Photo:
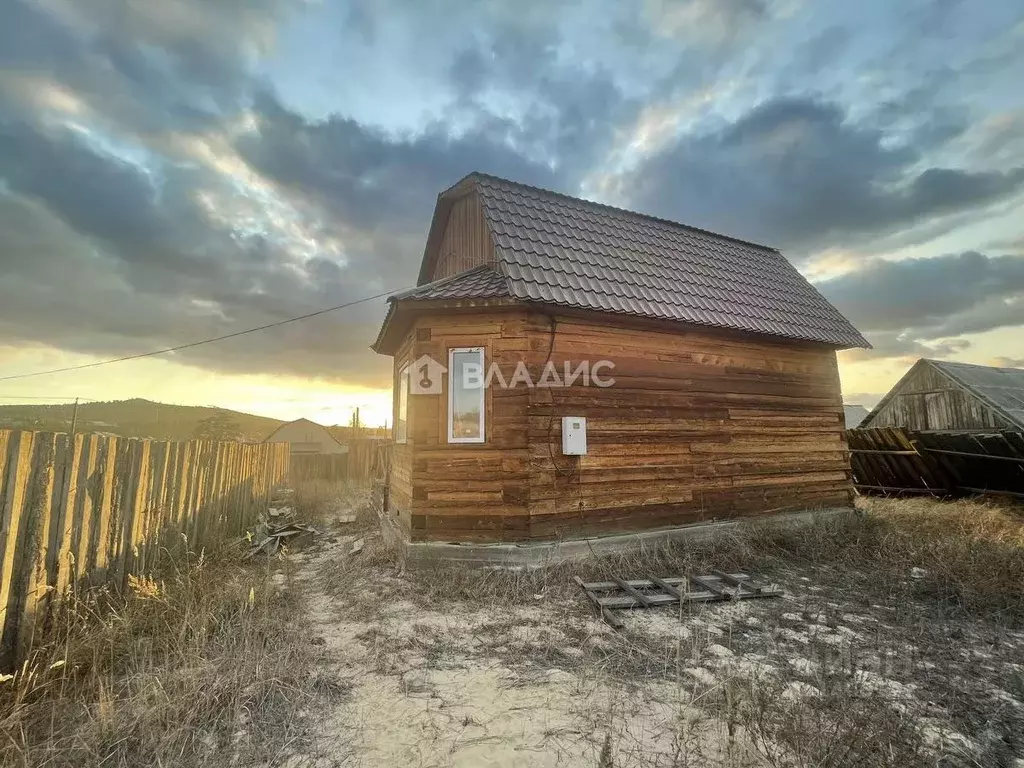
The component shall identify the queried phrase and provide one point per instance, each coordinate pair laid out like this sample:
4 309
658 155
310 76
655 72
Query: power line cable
68 399
203 341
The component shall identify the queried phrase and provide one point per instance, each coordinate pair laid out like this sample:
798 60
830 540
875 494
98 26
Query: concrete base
538 554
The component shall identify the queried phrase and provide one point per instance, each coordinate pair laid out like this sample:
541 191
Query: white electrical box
574 435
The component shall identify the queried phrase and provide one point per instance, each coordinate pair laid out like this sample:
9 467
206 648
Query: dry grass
314 500
207 662
928 593
841 726
971 554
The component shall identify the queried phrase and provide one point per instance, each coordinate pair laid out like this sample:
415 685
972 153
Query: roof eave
403 312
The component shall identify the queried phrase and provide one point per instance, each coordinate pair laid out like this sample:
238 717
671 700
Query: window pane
401 420
466 381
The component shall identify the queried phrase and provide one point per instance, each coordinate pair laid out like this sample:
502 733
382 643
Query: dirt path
441 682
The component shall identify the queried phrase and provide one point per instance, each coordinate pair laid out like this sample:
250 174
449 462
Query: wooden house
724 396
306 437
938 395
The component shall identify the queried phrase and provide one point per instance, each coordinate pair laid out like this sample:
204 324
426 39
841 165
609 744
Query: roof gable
1000 389
301 420
559 250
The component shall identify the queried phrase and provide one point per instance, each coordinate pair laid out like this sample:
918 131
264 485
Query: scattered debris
918 573
270 537
357 547
653 592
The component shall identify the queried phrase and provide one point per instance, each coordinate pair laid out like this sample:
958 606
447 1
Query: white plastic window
466 395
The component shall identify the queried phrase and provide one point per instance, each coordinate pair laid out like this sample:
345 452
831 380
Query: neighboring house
853 415
306 436
939 395
725 400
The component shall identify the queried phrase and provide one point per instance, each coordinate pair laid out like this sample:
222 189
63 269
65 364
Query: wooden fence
364 457
357 467
896 460
332 467
93 509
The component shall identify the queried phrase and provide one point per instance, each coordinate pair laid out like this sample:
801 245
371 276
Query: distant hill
130 418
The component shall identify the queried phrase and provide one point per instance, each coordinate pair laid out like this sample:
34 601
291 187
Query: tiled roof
483 282
560 250
555 249
1001 388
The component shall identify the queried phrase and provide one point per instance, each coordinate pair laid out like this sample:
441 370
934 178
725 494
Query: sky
179 170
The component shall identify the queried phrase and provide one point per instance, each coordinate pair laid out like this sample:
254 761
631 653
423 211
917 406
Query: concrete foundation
538 554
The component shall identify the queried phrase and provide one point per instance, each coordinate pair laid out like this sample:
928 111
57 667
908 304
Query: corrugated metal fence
95 508
897 460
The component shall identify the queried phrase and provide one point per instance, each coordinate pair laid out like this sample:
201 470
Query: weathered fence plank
897 460
92 509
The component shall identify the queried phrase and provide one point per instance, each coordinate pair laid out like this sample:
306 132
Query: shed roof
555 249
1002 389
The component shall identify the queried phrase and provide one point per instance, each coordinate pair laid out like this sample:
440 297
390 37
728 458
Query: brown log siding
698 426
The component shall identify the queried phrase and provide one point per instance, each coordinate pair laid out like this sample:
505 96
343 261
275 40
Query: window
466 395
402 415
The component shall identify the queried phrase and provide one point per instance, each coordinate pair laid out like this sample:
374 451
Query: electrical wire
201 342
68 399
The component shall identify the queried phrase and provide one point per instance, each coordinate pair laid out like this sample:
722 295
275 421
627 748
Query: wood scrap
611 597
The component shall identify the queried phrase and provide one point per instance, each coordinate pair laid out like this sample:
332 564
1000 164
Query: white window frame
451 397
403 378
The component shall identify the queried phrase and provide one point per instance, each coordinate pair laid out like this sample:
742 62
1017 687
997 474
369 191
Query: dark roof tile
560 250
483 282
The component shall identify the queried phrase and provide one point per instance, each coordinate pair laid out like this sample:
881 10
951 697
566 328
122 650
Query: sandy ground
470 684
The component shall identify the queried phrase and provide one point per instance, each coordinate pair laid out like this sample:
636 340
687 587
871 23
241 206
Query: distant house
939 395
306 436
713 390
853 415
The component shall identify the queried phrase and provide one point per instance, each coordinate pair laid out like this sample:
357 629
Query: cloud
923 306
705 22
180 186
1007 362
161 229
897 344
798 173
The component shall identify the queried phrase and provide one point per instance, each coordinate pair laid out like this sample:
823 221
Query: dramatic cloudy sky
180 169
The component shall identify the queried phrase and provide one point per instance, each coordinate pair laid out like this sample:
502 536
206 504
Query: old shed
941 395
565 368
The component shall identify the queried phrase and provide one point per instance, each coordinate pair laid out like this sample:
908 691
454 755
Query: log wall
96 508
471 491
698 426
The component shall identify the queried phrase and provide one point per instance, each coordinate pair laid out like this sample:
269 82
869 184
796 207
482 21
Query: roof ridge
936 361
612 208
